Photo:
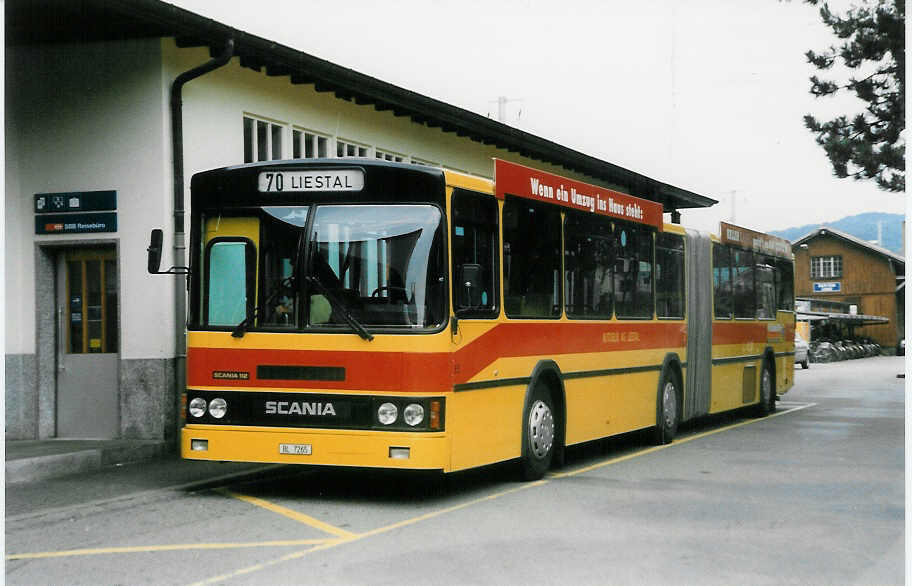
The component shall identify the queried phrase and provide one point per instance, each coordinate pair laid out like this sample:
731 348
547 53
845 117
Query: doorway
88 343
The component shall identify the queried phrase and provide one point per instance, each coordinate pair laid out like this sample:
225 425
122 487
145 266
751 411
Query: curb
49 466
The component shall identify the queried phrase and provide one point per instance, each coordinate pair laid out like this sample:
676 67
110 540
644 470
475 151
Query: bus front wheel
667 409
538 433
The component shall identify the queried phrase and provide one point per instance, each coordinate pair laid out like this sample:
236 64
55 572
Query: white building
91 337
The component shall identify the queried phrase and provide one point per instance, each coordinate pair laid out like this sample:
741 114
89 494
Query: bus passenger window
532 259
743 288
588 267
633 272
669 275
475 246
722 293
785 283
766 288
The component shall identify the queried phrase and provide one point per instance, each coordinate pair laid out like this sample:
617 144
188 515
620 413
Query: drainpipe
177 151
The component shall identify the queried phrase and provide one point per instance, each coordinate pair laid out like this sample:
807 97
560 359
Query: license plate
296 449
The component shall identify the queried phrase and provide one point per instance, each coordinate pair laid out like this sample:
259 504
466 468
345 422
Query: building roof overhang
56 21
845 318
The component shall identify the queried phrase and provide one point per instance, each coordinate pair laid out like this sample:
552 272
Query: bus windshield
379 266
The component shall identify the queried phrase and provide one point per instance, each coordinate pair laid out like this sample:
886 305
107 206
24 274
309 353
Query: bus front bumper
320 447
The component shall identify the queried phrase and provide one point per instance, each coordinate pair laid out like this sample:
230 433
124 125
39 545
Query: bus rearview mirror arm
155 253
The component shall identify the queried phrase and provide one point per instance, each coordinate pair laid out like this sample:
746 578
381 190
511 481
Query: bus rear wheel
767 392
538 434
666 409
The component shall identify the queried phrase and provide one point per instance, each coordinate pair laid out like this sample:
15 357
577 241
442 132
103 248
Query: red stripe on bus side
390 371
517 339
431 372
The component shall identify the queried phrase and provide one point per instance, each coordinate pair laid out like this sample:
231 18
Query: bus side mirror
155 251
468 286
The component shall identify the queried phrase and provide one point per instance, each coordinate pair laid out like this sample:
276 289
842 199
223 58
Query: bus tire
538 434
767 391
667 409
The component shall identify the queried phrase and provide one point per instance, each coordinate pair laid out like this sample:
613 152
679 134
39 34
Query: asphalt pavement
813 495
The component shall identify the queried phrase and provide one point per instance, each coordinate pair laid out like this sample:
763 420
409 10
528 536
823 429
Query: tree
870 144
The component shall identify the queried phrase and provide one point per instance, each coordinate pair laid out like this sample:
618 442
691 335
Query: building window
388 156
309 145
826 267
350 149
262 140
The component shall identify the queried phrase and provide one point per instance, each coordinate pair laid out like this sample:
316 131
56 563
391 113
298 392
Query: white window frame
391 156
826 267
350 148
303 139
257 151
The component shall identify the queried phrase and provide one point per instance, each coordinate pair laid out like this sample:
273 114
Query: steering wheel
390 288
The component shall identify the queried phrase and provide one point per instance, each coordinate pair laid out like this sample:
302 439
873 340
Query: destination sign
522 181
756 241
313 180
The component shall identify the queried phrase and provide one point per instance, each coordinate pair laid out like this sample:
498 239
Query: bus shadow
380 486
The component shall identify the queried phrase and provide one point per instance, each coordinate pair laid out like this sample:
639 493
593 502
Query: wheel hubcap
669 404
541 429
766 386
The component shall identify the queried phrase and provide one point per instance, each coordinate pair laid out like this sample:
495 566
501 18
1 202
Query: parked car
801 351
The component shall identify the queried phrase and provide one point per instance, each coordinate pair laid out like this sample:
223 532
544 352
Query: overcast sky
707 95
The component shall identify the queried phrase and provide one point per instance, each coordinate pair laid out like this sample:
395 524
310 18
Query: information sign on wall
831 287
75 223
64 213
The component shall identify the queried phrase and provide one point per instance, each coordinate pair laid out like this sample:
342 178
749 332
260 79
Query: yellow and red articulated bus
354 312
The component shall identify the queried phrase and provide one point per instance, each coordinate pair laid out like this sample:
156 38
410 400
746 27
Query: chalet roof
828 231
55 21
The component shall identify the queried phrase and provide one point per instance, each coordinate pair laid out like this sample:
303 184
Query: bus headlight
413 414
218 407
387 414
197 407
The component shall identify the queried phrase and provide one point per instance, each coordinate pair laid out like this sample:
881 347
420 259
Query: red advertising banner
522 181
753 240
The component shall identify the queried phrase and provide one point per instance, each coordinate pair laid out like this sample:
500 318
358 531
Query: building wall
214 107
85 117
81 118
868 280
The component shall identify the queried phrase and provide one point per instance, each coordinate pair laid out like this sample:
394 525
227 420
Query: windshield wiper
340 308
241 328
286 283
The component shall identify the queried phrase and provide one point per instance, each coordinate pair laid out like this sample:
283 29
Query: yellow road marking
153 548
387 528
291 514
358 536
343 536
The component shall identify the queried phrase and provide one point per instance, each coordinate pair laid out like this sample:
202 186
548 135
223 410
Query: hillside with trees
863 226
